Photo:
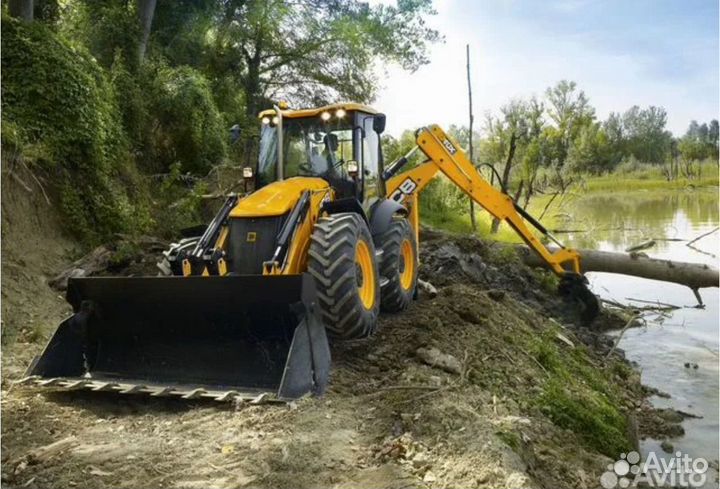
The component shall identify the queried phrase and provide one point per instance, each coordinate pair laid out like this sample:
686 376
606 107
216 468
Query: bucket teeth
30 380
76 385
227 396
162 392
134 389
104 386
49 382
129 387
194 394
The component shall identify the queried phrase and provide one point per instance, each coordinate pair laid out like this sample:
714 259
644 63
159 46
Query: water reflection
624 219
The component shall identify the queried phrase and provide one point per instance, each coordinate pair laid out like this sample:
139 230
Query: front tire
399 265
342 262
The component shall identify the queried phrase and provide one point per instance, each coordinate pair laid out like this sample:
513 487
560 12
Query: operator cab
339 143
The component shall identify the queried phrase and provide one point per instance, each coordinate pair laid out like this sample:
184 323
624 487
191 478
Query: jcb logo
449 146
406 188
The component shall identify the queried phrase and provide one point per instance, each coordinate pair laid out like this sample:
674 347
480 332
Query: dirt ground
389 420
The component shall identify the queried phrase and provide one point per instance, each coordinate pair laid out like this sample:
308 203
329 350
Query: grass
579 396
636 176
614 184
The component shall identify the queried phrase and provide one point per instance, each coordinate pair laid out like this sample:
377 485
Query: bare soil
389 420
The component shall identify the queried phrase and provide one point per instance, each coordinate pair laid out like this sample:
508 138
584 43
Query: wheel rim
365 274
407 264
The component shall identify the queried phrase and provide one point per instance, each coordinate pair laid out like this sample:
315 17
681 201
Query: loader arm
444 155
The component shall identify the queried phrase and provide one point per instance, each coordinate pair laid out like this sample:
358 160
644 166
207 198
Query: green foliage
591 151
700 141
184 200
63 114
587 413
104 27
645 136
580 397
188 127
310 52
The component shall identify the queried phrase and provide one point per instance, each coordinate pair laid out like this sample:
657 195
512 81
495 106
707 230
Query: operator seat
344 187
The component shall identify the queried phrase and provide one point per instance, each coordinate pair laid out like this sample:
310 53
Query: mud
391 418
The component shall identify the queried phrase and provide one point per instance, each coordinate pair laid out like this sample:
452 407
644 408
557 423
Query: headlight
276 119
325 116
247 172
340 113
266 120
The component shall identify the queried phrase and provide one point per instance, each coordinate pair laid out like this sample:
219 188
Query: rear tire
342 262
399 264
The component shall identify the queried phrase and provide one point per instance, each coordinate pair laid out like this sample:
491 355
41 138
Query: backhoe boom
444 155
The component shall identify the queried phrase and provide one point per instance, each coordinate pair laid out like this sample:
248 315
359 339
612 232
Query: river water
616 221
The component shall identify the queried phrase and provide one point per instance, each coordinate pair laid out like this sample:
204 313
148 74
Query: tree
646 137
570 110
146 10
22 9
315 51
699 142
591 152
615 132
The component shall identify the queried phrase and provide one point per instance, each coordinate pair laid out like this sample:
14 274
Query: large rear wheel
399 265
342 262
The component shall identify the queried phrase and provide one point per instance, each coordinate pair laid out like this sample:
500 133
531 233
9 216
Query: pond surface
616 221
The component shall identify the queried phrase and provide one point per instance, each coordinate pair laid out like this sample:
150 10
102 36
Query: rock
496 295
436 358
428 288
670 415
667 447
429 477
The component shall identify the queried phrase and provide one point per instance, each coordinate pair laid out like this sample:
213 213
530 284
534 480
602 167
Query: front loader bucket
220 337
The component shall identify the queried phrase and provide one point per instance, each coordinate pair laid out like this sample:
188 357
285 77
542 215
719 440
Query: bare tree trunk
505 177
470 132
21 9
693 275
146 11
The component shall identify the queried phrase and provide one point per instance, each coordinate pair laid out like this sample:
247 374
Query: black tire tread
393 297
331 262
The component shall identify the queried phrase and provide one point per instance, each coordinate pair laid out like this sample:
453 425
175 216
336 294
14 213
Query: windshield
311 147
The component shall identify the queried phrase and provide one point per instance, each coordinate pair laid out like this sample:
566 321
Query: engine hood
276 198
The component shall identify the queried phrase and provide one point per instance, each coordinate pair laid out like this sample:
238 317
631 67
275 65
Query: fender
382 214
349 204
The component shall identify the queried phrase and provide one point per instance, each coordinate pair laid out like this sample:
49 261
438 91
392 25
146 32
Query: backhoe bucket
232 337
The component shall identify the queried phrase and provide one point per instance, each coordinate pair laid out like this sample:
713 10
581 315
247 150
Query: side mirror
379 123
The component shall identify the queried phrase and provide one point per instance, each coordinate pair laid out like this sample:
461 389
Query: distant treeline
561 131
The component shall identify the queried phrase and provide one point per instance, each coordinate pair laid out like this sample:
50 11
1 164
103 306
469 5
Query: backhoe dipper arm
444 155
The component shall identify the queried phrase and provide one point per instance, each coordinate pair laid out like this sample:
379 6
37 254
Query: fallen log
693 275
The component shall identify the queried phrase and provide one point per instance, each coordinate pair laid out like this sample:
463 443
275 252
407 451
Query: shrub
189 128
64 117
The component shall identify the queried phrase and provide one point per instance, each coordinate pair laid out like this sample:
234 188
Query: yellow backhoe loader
326 241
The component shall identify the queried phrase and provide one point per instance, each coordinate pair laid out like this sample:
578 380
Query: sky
621 53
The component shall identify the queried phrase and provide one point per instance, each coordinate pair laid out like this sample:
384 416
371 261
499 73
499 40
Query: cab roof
296 113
